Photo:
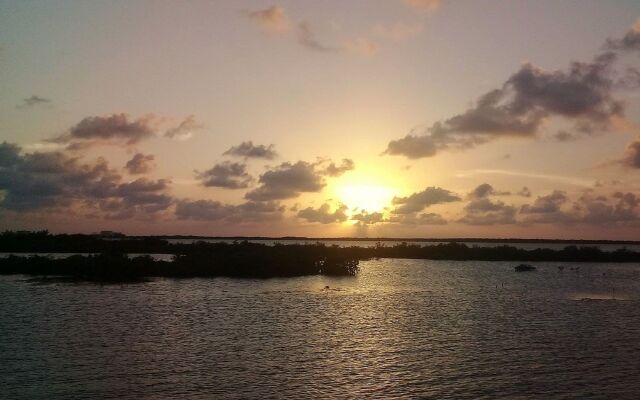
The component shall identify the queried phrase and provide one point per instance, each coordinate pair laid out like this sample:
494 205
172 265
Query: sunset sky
395 118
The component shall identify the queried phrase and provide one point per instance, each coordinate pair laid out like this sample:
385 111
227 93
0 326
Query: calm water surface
401 329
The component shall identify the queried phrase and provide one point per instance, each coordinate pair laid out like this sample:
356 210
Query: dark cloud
583 94
288 180
631 157
56 181
48 180
117 128
34 101
484 211
249 150
368 218
336 170
140 164
481 191
185 129
9 154
257 211
121 129
229 175
144 195
618 209
564 136
413 147
630 79
205 210
323 214
546 204
629 42
420 200
209 210
486 190
524 192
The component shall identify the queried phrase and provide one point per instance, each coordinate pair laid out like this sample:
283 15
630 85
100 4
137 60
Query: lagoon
398 329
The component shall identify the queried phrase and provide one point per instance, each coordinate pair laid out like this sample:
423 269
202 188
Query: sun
365 197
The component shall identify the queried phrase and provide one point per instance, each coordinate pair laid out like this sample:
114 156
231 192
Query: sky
376 118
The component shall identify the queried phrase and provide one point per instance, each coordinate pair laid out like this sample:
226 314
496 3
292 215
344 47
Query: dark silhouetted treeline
460 251
203 260
245 259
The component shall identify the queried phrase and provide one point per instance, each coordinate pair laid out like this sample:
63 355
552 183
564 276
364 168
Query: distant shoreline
249 259
382 239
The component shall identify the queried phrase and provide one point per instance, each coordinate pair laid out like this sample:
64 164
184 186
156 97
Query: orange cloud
272 19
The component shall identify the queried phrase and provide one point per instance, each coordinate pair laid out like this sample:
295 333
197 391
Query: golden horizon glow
365 197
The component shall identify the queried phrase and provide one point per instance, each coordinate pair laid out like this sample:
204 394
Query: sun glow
365 197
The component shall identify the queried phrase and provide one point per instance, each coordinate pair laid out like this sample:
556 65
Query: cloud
333 170
257 211
368 218
9 154
271 20
206 210
229 175
631 157
485 190
412 147
185 129
140 164
630 79
524 192
34 101
418 219
121 129
361 45
249 150
629 42
582 94
546 204
323 214
115 128
484 211
288 180
56 181
274 20
308 40
420 200
617 209
48 180
564 136
143 195
209 210
423 5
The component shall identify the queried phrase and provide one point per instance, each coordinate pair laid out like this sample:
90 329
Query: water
400 329
389 243
58 256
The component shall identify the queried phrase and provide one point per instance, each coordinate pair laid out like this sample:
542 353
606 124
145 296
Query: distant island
106 258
